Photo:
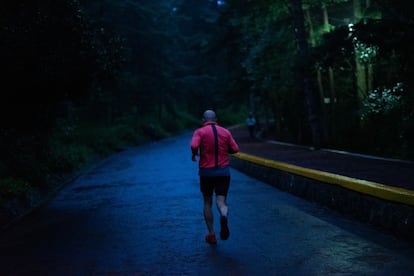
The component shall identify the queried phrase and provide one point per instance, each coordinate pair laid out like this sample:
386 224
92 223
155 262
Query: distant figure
213 144
251 125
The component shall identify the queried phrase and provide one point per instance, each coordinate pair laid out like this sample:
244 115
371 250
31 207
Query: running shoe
224 232
211 238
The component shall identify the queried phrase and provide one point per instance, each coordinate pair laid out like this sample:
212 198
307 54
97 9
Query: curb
374 189
389 208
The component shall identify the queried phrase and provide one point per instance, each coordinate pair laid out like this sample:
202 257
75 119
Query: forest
84 79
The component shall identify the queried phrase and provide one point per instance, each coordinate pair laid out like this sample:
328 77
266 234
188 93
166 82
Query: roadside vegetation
35 170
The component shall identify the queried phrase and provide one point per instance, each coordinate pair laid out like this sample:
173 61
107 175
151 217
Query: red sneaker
211 238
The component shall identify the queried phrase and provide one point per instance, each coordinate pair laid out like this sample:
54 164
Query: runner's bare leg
208 213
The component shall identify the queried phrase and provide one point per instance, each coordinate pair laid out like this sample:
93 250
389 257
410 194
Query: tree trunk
370 77
357 10
305 74
310 26
360 72
326 25
332 104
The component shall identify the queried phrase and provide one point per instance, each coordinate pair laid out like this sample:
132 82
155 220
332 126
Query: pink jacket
203 142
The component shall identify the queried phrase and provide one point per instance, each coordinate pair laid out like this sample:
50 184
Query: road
139 212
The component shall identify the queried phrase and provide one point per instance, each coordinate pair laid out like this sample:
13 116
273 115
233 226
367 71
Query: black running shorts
218 184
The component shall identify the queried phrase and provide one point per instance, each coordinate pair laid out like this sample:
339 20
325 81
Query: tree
53 53
305 74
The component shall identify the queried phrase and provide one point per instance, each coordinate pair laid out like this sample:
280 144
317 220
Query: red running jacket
203 143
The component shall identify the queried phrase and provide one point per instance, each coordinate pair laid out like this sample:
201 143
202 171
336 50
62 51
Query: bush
13 188
108 139
231 116
68 157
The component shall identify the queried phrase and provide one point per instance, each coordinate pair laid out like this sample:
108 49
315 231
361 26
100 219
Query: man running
213 144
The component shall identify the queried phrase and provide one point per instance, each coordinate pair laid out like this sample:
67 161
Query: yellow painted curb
366 187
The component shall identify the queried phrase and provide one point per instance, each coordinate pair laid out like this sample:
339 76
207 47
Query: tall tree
52 53
305 73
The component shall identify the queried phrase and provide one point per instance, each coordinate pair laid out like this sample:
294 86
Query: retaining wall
389 208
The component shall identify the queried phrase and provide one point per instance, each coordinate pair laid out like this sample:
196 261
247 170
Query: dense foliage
85 78
335 73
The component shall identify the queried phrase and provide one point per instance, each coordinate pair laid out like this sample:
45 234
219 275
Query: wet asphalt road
140 213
